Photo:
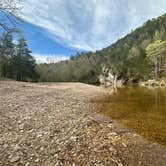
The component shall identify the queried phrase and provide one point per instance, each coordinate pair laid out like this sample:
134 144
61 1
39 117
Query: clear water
142 109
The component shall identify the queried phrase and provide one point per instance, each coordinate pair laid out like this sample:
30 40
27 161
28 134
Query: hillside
127 57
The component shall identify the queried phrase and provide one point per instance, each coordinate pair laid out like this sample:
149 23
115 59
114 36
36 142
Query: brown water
142 109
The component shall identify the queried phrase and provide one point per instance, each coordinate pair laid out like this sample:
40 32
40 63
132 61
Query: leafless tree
9 5
9 9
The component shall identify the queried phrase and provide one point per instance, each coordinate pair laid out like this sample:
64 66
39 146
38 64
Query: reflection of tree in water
157 99
142 109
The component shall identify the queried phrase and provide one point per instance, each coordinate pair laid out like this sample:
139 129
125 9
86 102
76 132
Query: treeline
139 56
78 69
16 61
128 58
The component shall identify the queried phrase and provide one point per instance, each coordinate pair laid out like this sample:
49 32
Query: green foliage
15 59
127 58
156 53
82 69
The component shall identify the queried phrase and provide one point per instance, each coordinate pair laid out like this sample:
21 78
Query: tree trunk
115 84
115 81
156 68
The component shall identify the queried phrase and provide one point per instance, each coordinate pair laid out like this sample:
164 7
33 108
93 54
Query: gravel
56 124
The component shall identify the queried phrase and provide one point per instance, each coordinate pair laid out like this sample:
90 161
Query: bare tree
9 5
9 9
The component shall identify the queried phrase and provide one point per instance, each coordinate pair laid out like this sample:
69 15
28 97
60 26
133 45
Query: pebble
37 160
73 143
27 164
110 126
14 159
124 145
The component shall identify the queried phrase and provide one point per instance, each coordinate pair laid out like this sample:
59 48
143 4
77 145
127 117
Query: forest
102 107
139 56
16 61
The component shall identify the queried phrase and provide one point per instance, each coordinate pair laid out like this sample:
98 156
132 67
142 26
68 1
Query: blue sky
59 28
44 46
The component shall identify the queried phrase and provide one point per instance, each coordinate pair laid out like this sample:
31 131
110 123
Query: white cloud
90 24
49 58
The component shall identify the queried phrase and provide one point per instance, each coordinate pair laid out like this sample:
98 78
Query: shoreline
57 124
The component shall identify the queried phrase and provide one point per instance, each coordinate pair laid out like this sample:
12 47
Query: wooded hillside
127 58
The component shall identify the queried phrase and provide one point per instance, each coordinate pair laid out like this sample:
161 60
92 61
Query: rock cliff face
109 79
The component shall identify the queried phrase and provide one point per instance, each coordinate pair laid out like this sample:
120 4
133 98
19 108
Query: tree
6 51
126 58
8 9
22 61
156 53
9 5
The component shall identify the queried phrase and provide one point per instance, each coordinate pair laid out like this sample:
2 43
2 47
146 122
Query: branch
9 9
3 26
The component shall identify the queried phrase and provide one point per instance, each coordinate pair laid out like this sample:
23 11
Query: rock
163 83
27 164
14 159
124 145
102 79
42 148
37 160
153 83
142 84
21 126
110 126
19 122
120 83
111 149
21 131
76 142
16 148
108 79
73 138
5 146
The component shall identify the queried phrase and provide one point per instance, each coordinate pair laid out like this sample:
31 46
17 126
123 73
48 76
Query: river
141 109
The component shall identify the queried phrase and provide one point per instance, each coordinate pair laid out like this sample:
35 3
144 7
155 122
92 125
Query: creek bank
153 83
57 124
108 78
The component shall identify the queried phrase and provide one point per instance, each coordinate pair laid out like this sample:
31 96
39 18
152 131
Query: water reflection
142 109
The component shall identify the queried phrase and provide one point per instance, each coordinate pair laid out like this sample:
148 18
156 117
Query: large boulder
107 78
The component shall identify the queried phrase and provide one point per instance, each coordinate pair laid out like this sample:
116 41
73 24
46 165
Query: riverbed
141 109
57 124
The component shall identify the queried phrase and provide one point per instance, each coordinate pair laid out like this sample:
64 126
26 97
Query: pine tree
23 62
6 51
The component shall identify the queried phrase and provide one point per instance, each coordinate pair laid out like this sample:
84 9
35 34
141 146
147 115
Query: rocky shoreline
153 83
57 124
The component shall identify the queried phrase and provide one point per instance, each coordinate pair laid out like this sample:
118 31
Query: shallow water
142 109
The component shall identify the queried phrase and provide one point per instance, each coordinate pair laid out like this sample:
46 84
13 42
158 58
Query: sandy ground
57 124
